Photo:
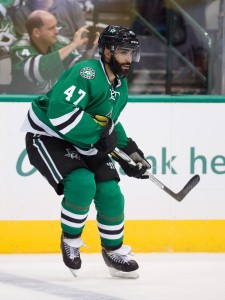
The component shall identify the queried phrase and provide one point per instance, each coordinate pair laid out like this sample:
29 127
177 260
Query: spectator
7 30
68 13
41 55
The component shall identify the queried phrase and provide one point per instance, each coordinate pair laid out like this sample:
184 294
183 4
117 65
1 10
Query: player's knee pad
79 188
109 201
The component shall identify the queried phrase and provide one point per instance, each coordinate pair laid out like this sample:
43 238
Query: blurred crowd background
182 43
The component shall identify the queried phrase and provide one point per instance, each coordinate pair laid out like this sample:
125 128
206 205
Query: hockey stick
177 196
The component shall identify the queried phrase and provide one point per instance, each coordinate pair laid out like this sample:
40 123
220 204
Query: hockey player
70 132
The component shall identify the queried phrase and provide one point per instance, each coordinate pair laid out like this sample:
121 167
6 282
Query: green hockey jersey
67 110
34 72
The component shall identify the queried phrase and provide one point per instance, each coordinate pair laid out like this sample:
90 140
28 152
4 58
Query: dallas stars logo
110 165
72 154
87 73
112 30
113 94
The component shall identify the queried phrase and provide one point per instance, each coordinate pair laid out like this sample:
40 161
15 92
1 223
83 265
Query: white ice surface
162 277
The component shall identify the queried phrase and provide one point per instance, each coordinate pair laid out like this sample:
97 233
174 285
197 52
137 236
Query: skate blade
74 272
127 275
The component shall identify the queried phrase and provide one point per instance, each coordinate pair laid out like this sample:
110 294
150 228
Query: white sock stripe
111 237
72 224
72 215
111 227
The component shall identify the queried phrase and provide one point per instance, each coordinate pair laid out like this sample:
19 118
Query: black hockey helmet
116 36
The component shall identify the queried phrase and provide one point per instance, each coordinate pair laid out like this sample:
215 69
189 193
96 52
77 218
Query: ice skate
71 253
121 263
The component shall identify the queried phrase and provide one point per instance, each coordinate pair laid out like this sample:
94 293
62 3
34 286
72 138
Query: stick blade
188 187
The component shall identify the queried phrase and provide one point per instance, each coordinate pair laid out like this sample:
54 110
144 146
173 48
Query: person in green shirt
41 55
69 15
70 133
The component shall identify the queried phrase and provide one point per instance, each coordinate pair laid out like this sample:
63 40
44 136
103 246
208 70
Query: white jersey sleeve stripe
36 68
72 125
27 69
31 67
41 124
64 118
3 10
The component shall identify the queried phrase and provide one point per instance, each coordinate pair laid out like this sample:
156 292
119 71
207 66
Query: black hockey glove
108 140
132 171
137 156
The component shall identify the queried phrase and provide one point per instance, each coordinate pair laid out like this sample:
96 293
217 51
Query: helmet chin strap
111 63
112 67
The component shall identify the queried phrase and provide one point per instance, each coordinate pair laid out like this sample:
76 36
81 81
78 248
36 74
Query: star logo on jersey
72 154
112 30
87 73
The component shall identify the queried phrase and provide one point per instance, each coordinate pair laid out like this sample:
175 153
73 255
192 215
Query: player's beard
118 68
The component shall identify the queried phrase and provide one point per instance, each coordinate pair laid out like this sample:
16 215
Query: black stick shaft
177 196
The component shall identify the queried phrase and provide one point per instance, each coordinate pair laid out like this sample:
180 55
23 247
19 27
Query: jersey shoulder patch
87 73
